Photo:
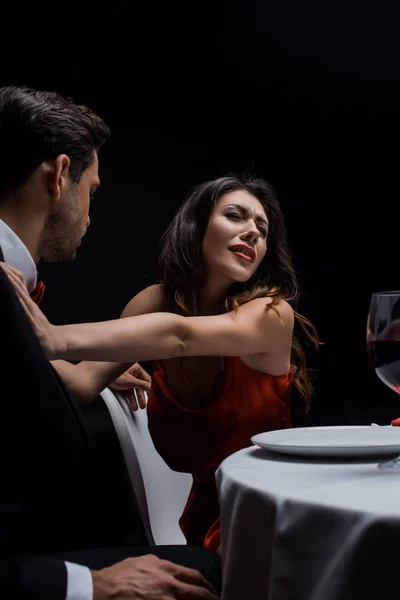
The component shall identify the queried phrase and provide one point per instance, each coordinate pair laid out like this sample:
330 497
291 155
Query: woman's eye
233 215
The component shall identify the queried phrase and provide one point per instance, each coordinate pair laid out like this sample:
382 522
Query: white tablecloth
308 529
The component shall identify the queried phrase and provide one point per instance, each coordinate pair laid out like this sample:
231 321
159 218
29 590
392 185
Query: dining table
309 526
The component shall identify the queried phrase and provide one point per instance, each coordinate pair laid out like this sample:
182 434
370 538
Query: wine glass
383 337
383 343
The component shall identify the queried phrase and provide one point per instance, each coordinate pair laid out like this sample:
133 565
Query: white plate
332 441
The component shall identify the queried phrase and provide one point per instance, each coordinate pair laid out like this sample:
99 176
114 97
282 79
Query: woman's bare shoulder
258 307
149 300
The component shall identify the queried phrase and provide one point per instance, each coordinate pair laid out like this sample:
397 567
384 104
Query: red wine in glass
384 355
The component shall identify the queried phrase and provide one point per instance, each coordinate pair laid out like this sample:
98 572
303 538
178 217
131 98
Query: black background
305 96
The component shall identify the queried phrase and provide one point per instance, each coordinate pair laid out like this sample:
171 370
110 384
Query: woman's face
235 241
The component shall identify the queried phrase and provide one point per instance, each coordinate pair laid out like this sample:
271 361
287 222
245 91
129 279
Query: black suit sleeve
33 578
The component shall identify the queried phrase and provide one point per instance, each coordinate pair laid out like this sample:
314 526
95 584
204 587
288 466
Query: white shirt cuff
79 582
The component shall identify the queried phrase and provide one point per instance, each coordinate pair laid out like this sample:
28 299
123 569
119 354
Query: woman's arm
251 330
88 378
254 328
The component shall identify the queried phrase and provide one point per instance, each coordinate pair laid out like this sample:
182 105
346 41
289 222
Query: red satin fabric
242 403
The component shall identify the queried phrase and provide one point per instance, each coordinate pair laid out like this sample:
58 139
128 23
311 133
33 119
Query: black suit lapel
62 388
43 380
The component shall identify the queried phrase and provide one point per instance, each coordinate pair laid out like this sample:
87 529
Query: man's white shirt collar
17 255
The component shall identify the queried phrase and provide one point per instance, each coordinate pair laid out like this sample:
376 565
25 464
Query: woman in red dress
225 251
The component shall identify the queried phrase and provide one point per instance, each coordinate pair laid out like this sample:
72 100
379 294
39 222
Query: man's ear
58 176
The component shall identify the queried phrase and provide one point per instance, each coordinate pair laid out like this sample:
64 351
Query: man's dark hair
36 126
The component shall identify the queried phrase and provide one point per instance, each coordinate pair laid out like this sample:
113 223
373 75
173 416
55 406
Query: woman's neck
211 299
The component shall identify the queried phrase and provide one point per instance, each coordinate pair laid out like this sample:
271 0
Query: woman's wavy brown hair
182 269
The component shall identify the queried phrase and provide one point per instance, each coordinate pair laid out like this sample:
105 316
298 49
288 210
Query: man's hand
150 578
135 378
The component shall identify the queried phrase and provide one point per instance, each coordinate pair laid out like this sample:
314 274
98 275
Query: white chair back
161 493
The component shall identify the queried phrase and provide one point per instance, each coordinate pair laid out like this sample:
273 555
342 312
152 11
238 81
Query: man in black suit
54 542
